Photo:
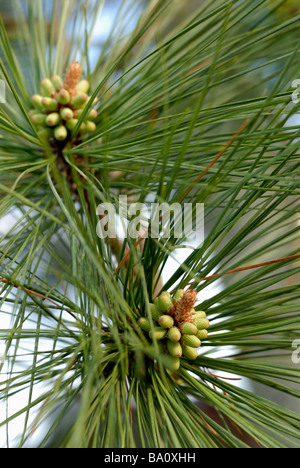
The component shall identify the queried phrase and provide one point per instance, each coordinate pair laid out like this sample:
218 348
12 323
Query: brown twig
228 144
249 267
34 293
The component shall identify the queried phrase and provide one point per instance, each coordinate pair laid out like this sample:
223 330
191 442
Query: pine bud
71 124
189 352
60 133
144 324
202 334
66 113
57 81
53 119
172 363
166 321
93 114
89 127
79 100
189 328
201 323
45 134
179 294
50 104
159 333
83 86
174 334
63 97
199 314
191 340
38 119
174 348
47 87
37 101
32 112
155 312
164 301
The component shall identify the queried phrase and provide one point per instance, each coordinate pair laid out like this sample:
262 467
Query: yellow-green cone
201 323
189 328
38 119
79 100
174 348
189 352
66 113
60 133
172 363
159 333
155 311
57 81
45 134
63 97
199 314
166 321
53 119
202 334
71 124
144 324
50 104
37 101
83 86
178 295
89 127
191 340
174 334
164 301
47 87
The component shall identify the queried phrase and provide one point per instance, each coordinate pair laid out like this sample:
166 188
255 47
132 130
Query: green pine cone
166 321
189 352
199 314
83 86
66 113
45 134
172 363
60 133
89 127
155 311
189 328
144 323
38 119
37 101
63 97
71 124
164 301
53 119
47 87
202 334
79 100
159 333
178 295
57 81
191 340
201 323
174 334
50 104
174 348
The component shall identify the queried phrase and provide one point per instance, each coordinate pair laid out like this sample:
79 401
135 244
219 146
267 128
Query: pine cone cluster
60 105
179 328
